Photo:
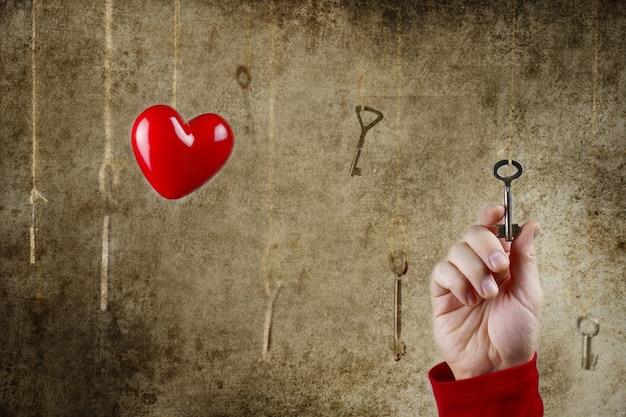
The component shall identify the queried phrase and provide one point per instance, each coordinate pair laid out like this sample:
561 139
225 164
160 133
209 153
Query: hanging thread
104 269
105 183
34 192
270 270
397 257
398 222
175 63
267 328
361 75
35 195
589 326
248 49
591 211
271 147
583 301
509 147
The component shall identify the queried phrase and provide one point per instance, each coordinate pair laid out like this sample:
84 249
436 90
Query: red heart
178 157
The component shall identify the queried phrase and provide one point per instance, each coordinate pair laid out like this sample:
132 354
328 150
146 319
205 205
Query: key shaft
399 346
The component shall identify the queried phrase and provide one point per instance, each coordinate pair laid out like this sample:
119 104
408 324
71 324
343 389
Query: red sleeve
512 392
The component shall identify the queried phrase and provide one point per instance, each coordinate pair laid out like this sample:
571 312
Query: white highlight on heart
143 142
220 133
187 139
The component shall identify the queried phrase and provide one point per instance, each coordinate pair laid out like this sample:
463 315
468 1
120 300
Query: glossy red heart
178 157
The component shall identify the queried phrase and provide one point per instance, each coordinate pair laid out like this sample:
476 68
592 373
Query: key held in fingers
508 230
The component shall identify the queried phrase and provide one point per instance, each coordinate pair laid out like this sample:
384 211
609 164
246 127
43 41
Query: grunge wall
268 292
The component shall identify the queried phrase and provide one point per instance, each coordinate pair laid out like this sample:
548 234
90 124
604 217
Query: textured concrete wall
283 236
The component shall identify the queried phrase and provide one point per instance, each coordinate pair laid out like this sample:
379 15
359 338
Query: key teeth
501 230
400 350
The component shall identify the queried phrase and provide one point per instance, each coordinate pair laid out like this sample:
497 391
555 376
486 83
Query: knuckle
440 268
476 272
457 248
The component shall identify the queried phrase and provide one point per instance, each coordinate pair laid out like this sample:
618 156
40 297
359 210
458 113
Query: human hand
486 299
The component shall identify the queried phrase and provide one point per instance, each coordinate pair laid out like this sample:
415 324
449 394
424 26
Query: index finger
491 215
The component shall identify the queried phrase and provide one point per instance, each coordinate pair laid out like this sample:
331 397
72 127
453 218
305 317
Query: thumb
524 266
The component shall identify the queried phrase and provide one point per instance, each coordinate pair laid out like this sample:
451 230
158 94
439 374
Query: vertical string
399 240
591 211
509 147
270 269
175 63
248 47
271 162
104 270
583 298
398 224
107 167
35 195
361 76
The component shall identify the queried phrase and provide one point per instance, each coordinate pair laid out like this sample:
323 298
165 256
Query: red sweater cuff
511 392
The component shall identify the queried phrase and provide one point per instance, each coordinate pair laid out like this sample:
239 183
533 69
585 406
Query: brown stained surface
190 281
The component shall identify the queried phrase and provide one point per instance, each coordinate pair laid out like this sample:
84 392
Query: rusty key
354 170
399 266
508 230
588 328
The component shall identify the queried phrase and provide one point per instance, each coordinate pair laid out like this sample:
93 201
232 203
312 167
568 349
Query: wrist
461 372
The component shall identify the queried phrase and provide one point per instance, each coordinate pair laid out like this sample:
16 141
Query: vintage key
588 328
508 230
354 170
399 266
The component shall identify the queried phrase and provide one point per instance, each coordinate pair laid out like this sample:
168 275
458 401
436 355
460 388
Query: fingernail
490 289
536 233
498 261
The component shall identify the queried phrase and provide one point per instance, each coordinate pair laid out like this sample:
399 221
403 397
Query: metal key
508 230
354 170
588 327
399 266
